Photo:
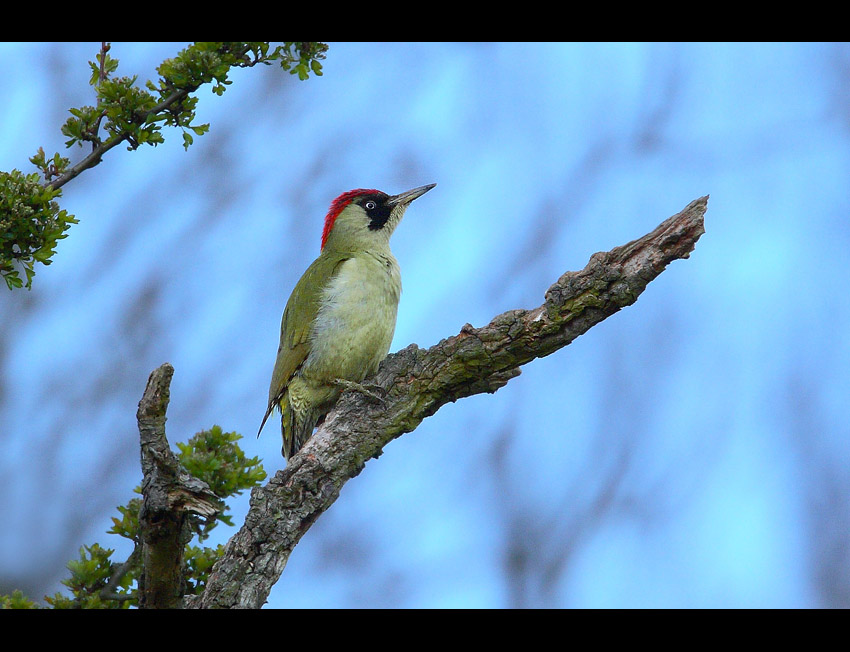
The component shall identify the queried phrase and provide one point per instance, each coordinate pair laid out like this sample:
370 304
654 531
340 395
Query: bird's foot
357 387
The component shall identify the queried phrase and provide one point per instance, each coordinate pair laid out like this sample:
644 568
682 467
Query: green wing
298 317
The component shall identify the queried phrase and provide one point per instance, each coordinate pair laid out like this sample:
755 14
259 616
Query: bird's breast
356 319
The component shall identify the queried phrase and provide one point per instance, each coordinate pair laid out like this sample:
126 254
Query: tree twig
417 383
95 156
108 592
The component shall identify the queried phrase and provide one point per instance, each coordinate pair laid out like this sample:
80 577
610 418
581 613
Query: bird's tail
265 418
295 429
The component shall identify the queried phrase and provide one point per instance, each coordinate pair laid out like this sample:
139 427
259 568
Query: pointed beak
409 196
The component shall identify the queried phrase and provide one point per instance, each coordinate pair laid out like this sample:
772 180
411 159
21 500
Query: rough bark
416 383
169 496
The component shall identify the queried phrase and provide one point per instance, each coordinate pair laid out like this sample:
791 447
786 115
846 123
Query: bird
339 321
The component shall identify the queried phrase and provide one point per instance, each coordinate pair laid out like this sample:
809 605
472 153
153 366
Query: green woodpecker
339 321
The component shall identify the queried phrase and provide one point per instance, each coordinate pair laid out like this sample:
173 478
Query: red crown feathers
336 208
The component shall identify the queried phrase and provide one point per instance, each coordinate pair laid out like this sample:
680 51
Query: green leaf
12 280
95 72
43 255
38 160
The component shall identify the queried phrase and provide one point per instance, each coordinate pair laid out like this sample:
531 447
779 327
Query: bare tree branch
169 494
416 383
109 592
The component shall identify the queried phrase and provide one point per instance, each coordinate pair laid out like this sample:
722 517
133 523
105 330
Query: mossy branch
416 383
170 496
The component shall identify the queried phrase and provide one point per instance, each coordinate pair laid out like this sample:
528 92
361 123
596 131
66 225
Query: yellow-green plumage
340 318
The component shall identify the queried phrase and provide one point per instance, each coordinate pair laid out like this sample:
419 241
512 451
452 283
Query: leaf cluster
137 114
90 575
98 582
214 457
124 111
31 223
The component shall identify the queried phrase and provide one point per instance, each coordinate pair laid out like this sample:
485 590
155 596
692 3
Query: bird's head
361 219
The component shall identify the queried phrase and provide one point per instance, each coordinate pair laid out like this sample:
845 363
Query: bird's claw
357 387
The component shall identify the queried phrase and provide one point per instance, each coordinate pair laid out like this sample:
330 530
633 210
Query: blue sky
690 451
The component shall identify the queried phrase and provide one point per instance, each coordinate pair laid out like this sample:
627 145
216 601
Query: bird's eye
370 205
